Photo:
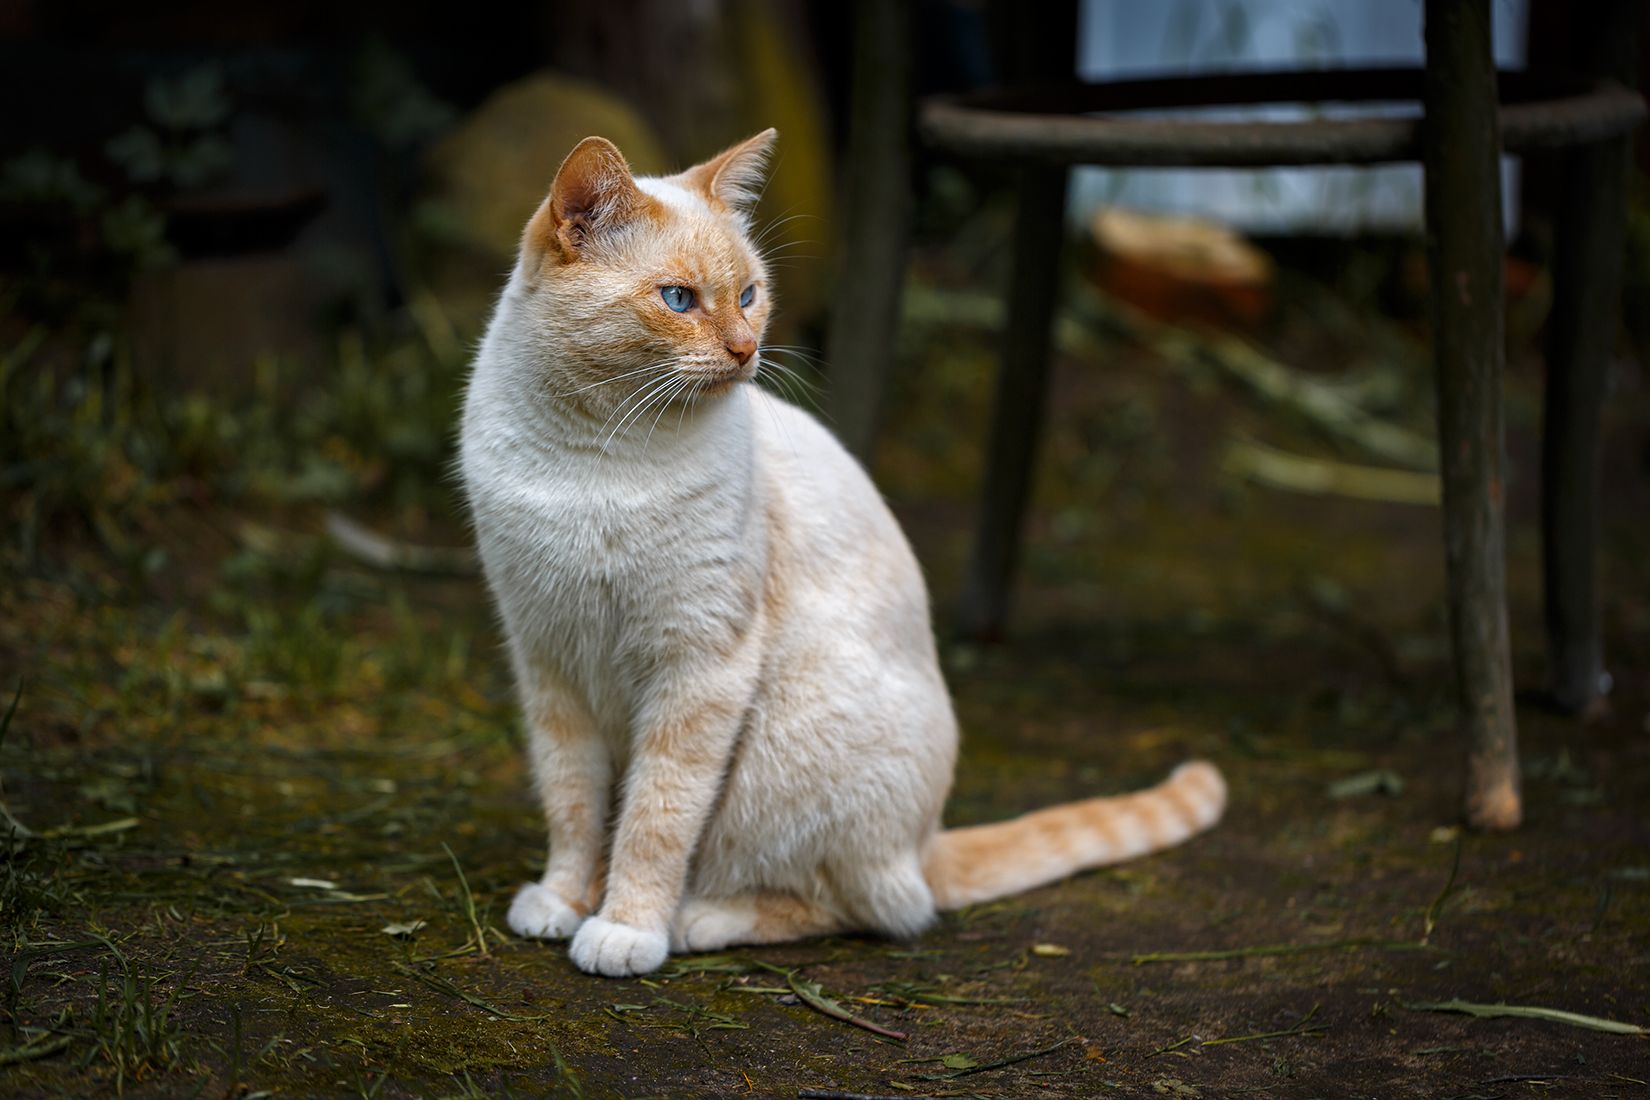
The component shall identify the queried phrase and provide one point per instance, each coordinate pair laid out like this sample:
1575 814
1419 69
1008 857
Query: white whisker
652 387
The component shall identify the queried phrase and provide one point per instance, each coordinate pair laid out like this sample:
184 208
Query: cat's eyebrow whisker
786 253
773 226
783 246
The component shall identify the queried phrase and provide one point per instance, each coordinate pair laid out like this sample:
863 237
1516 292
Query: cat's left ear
732 179
593 195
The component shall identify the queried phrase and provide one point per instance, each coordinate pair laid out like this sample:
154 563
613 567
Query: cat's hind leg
890 897
710 924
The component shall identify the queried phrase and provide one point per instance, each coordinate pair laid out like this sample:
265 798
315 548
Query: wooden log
1588 230
876 203
1461 148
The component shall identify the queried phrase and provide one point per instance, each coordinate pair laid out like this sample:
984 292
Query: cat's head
636 285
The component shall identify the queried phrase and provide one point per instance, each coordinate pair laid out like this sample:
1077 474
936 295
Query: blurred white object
1120 39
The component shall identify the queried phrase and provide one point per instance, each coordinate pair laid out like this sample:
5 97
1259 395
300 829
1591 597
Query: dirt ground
278 810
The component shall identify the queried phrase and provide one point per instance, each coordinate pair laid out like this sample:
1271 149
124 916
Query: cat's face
648 289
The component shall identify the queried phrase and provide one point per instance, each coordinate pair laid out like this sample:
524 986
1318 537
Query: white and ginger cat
735 714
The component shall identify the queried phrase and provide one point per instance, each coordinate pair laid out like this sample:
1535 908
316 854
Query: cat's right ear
593 194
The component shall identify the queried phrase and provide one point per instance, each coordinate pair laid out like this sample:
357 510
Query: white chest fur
607 561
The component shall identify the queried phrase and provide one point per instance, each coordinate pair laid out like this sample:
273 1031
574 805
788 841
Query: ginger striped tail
982 862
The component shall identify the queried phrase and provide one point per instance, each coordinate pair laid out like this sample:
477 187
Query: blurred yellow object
491 173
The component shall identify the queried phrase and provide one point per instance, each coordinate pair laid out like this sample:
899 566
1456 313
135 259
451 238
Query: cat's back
831 534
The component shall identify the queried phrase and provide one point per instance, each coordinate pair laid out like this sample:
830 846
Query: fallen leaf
1050 950
1379 781
402 928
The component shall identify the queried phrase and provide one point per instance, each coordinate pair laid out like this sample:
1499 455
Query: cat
736 720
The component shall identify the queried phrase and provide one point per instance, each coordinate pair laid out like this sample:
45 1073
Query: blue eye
678 298
749 296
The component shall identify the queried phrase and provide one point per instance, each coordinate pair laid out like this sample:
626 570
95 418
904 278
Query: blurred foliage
390 101
181 142
65 228
87 444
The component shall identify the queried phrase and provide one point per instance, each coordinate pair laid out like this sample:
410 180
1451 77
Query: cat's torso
613 568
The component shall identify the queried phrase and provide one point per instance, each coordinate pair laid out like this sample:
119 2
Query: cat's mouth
709 381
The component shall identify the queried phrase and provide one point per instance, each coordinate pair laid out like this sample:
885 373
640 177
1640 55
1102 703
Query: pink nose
741 348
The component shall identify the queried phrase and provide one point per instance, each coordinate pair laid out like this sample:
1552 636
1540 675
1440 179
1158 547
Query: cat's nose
741 347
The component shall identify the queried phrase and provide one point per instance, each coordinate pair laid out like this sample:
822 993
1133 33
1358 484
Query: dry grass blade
1438 902
813 995
43 1046
18 829
467 903
1530 1012
442 985
1270 950
1013 1059
1300 1027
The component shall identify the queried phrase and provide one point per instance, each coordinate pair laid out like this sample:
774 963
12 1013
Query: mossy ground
257 756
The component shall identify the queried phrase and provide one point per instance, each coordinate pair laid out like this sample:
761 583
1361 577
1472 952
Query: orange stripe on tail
966 866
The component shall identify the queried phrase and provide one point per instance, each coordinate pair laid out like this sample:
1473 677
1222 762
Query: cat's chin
717 383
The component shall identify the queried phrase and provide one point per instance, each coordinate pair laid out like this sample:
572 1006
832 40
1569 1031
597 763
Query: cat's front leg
572 772
676 769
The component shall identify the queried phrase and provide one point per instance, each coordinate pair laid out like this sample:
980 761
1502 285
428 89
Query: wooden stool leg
1461 148
876 203
1589 227
1586 289
1021 385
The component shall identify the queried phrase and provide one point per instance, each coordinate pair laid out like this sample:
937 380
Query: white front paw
539 913
617 950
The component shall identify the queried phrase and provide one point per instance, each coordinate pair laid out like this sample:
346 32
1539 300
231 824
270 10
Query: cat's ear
593 194
733 178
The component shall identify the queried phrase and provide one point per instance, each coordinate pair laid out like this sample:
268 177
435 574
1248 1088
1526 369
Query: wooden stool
1470 117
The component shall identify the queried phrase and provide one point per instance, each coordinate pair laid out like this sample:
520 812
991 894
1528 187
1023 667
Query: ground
276 808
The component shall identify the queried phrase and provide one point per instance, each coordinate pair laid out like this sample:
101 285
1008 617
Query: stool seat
1079 122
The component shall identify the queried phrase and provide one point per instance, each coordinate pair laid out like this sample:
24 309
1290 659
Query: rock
490 174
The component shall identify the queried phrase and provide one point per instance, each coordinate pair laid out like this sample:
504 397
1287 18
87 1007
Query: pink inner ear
593 191
592 180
